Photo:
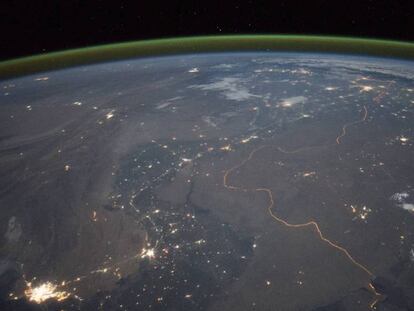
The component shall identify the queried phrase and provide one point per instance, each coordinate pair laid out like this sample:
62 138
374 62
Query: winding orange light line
284 222
312 223
351 123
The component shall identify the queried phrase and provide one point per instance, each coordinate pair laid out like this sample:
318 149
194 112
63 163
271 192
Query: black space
31 27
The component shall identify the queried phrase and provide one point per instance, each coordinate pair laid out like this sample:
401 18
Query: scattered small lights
360 212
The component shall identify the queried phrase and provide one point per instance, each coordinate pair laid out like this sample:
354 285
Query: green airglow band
188 45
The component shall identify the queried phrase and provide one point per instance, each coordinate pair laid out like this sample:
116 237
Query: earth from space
216 181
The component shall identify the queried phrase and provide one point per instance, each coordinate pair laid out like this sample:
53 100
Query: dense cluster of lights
44 291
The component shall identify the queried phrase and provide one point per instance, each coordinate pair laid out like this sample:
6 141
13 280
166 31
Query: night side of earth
216 181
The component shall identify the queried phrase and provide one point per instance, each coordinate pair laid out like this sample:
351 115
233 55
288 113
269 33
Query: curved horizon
205 44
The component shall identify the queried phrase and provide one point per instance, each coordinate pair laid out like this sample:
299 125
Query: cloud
401 198
230 87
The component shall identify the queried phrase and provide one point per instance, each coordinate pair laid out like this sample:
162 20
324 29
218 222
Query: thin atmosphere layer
187 45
